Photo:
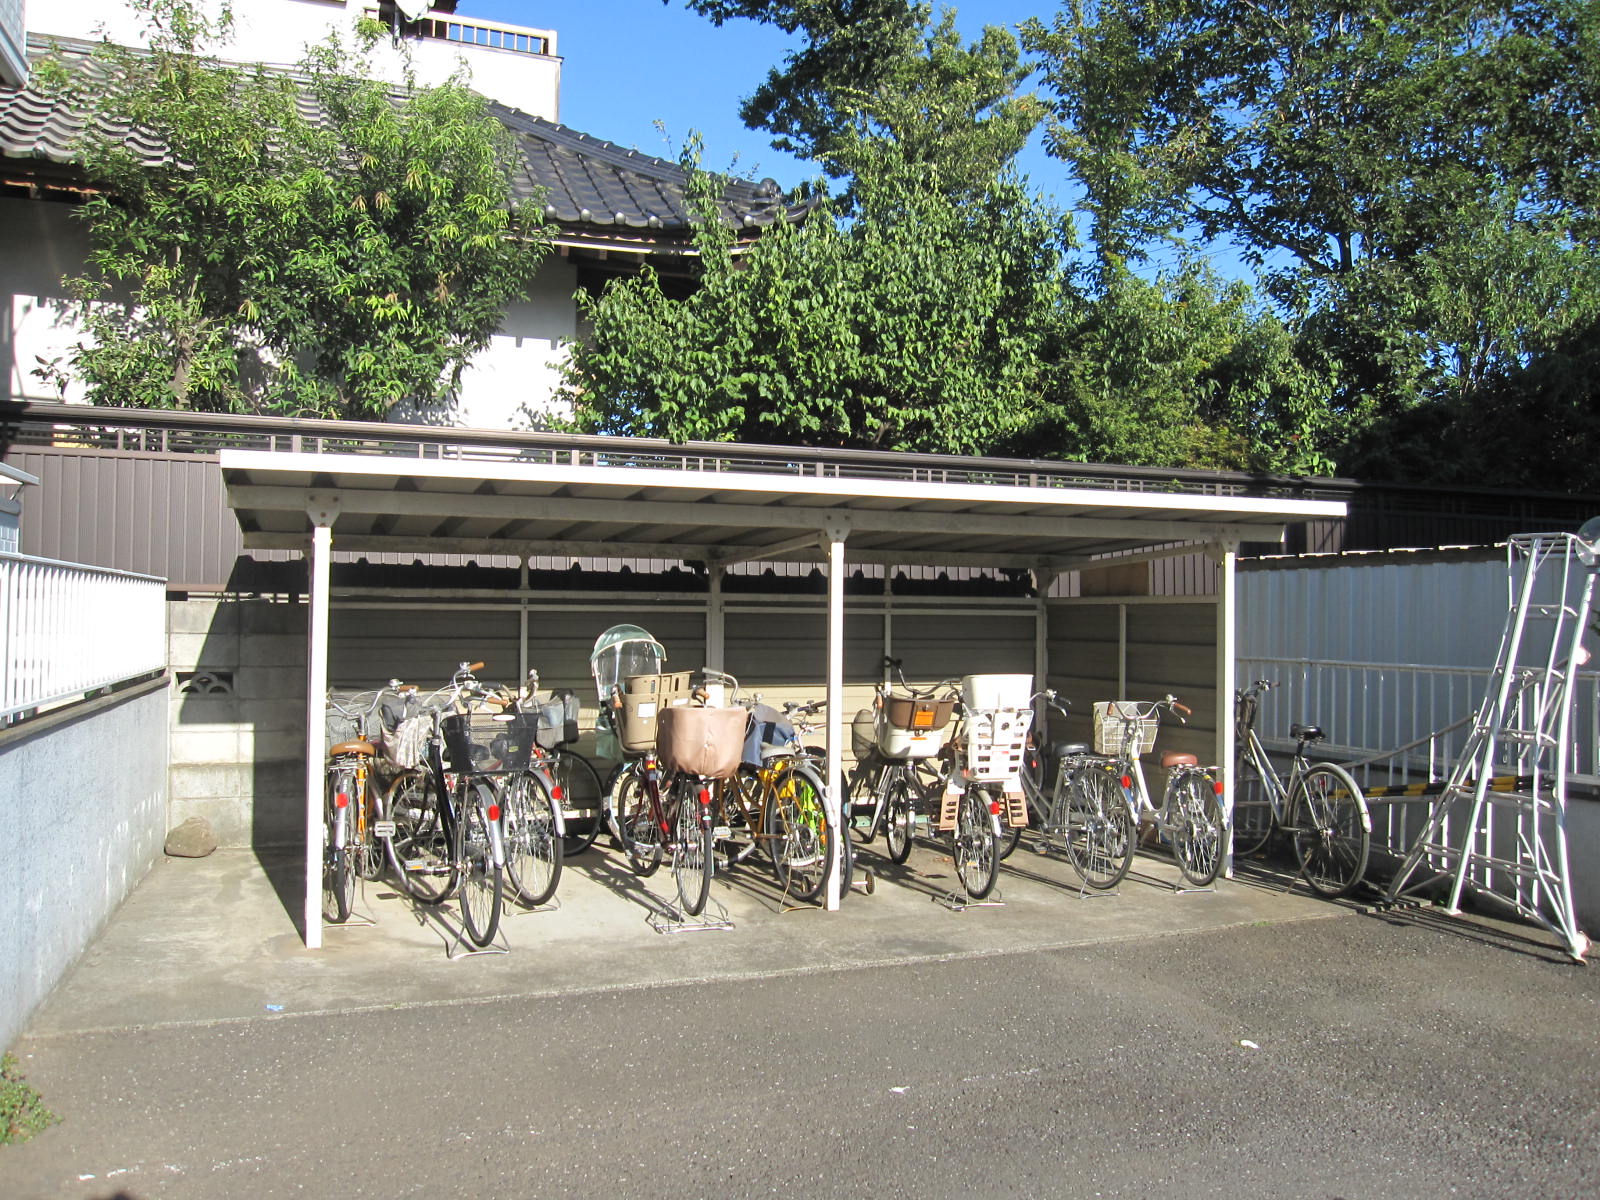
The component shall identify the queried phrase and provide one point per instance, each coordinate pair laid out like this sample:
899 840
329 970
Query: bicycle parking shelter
719 506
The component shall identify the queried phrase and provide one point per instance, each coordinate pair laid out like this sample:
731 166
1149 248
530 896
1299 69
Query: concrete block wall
237 718
83 803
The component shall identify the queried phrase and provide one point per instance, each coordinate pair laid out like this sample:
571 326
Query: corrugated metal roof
586 183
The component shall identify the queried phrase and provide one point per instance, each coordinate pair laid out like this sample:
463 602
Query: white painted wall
278 31
41 245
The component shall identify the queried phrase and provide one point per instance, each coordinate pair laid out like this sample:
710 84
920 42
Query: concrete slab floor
214 939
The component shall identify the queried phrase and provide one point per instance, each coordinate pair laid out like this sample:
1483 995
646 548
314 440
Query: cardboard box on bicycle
702 741
643 699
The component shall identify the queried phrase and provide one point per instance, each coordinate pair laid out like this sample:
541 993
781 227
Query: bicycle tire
581 792
533 851
898 819
1010 836
338 875
798 833
418 851
1332 830
1253 818
1099 829
1197 828
862 791
480 889
692 864
973 843
636 823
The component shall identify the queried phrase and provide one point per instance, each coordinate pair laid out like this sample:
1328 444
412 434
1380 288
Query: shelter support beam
316 699
716 619
1226 557
835 532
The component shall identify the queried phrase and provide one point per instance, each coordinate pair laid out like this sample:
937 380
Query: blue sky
630 63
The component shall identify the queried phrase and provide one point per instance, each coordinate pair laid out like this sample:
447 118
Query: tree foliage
919 324
313 242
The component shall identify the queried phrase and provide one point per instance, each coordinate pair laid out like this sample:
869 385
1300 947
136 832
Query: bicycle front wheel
1252 808
974 844
1098 828
338 857
533 851
636 822
1332 830
1197 827
691 845
580 799
799 834
480 886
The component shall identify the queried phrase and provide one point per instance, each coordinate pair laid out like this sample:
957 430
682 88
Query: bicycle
777 798
350 805
1110 799
702 749
893 742
1319 805
445 822
574 782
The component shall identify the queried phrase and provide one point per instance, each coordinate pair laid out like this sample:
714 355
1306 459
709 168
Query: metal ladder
1518 839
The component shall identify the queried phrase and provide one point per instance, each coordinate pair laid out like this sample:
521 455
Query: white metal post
836 533
316 702
715 617
1227 556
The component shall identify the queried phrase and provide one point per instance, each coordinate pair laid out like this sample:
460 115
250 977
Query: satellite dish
413 10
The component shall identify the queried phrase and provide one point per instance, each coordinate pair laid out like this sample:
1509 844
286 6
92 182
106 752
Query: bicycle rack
675 920
514 909
460 947
959 901
1528 705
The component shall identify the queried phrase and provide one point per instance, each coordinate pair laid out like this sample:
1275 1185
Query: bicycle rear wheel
418 850
1098 827
1252 808
692 863
799 833
338 867
636 822
1332 830
898 820
533 851
580 800
480 887
973 843
1196 827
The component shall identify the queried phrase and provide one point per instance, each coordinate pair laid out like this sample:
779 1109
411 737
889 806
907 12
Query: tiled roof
587 183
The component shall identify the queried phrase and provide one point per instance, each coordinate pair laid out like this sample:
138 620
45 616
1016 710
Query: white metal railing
479 31
69 630
1424 712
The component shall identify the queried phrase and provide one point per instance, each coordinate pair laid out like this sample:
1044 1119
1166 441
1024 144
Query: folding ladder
1514 843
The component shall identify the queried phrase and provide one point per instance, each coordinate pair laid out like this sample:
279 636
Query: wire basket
997 738
1111 719
483 742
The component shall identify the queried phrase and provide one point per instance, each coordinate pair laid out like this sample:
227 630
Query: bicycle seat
1307 733
1173 759
1068 749
356 747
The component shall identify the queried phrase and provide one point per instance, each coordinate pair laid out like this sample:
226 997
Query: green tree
337 261
919 324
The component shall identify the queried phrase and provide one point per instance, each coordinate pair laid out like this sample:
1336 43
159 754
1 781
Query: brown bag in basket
702 741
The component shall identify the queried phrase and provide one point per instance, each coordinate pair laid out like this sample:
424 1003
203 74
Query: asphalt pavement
1251 1041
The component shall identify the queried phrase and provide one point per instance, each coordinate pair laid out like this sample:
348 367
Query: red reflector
994 808
494 812
1127 781
705 796
555 793
1217 787
342 800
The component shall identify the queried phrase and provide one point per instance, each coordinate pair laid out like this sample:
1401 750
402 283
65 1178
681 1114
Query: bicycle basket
863 733
1110 727
769 733
483 742
896 741
558 719
708 742
905 712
